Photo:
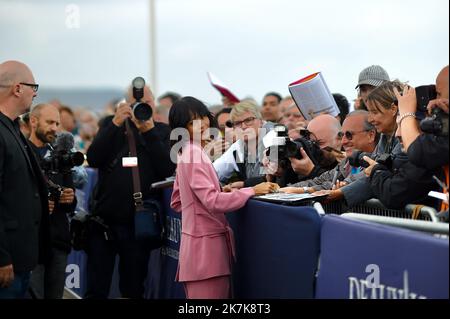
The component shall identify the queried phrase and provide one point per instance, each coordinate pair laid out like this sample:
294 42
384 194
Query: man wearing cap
369 78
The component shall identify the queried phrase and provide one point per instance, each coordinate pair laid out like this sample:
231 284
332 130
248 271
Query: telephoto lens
141 110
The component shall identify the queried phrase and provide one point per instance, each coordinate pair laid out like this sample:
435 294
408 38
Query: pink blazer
207 244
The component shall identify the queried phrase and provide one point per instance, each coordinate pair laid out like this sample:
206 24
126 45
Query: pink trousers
211 288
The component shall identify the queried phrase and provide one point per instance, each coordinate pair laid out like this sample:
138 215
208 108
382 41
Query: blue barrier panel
366 260
76 278
277 250
165 263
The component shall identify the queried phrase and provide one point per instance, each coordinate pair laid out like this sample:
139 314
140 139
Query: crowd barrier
278 249
386 262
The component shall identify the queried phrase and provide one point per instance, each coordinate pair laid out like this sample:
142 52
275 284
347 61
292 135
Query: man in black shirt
114 202
47 280
23 193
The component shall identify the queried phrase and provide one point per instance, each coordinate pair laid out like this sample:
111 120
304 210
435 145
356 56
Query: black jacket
113 199
408 184
24 231
429 151
59 221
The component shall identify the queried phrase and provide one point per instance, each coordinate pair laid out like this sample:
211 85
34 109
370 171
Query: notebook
313 97
290 199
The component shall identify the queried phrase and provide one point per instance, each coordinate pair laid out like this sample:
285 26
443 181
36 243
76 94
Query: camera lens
142 111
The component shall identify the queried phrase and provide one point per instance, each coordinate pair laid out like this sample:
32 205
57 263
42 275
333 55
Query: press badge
129 161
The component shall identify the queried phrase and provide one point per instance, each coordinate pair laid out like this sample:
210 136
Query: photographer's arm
102 149
410 184
303 166
408 125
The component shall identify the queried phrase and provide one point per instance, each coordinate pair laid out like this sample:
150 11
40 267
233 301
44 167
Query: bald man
23 194
326 131
47 280
425 150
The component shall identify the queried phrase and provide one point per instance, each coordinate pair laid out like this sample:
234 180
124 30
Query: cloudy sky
254 46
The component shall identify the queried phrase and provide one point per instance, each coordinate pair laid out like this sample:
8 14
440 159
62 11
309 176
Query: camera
54 191
141 110
437 123
280 147
424 94
356 159
62 159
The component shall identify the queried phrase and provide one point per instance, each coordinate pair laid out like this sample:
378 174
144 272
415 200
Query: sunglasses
349 134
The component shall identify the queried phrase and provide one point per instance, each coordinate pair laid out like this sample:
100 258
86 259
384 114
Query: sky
253 46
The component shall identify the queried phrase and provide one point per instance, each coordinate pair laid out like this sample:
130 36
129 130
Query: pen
335 176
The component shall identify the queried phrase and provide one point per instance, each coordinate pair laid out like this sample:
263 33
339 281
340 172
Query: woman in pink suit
207 244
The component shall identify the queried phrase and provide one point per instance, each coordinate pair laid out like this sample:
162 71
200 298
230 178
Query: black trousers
133 262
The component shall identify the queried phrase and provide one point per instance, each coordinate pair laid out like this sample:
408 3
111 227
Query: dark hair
275 94
170 95
226 110
342 104
186 109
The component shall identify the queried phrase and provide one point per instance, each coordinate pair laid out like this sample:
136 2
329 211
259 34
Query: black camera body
356 159
437 123
61 161
141 110
282 148
54 191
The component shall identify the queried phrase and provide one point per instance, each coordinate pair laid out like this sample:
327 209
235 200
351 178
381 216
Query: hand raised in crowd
123 113
372 164
438 103
407 102
67 196
265 188
6 276
303 166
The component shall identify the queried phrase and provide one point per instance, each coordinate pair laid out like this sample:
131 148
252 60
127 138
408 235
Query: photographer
113 198
47 280
322 154
408 184
428 149
358 134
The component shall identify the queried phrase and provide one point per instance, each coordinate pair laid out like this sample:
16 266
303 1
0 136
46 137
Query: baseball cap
373 75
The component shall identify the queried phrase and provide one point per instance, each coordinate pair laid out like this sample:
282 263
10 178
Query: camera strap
137 195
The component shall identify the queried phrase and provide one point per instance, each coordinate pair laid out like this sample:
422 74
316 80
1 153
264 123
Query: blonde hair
244 107
384 95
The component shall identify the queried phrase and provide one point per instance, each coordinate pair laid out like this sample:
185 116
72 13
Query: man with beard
47 280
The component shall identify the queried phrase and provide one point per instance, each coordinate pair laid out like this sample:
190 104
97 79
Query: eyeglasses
349 134
35 87
248 121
